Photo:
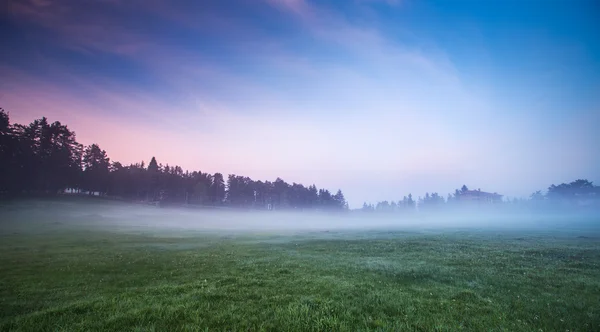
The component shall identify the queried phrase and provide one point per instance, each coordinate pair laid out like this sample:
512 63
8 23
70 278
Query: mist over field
98 213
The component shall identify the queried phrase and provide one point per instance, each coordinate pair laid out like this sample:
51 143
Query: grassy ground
55 277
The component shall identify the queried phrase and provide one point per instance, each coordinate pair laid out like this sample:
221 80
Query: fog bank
123 217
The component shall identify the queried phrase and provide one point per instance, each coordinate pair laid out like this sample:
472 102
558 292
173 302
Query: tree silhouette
96 166
217 189
9 174
154 178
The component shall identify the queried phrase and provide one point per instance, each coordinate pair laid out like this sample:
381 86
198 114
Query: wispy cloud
86 26
388 2
333 115
299 7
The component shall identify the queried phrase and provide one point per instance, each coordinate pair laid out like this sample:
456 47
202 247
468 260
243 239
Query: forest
44 158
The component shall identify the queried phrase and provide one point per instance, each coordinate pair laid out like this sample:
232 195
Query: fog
97 214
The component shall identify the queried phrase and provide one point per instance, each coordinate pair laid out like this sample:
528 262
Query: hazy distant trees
537 196
432 201
406 204
576 194
579 192
339 201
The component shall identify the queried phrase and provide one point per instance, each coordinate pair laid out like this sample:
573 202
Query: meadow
105 266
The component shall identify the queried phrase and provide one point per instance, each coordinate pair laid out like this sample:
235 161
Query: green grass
55 277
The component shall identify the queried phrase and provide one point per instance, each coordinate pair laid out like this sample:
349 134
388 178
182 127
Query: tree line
45 158
576 194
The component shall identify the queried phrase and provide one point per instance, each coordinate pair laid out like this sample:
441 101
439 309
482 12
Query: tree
153 166
325 199
410 201
200 190
537 196
366 207
383 207
340 201
217 188
298 196
280 189
45 157
4 122
577 192
154 175
457 194
64 159
8 165
312 197
96 166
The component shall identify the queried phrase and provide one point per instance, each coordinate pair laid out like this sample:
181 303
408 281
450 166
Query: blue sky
378 98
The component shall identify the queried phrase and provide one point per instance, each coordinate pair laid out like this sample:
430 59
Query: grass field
60 270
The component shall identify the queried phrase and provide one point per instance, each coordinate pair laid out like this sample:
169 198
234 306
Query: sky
379 98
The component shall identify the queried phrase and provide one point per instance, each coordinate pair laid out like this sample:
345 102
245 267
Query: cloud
299 7
323 116
369 44
388 2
